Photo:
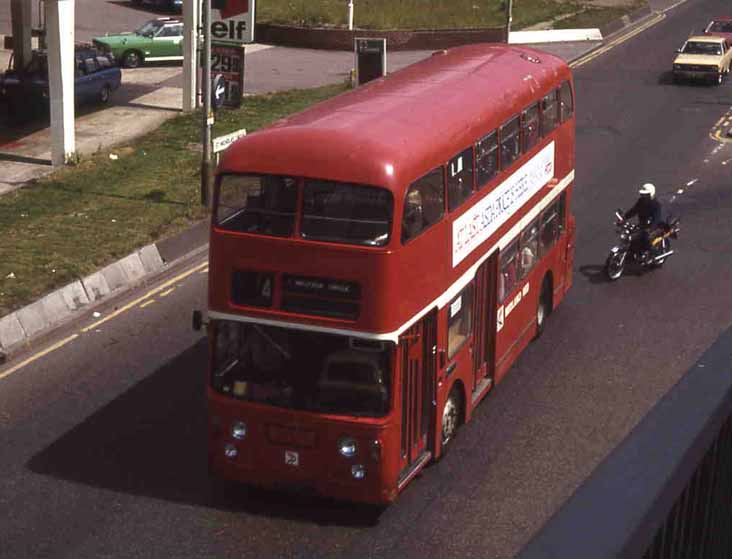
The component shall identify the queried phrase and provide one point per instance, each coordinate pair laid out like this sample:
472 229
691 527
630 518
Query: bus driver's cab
353 379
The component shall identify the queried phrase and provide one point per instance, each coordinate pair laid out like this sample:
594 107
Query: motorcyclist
648 210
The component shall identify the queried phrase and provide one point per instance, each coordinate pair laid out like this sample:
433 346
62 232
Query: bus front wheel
451 417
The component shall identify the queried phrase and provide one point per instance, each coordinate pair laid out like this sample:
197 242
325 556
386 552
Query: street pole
208 117
509 17
350 15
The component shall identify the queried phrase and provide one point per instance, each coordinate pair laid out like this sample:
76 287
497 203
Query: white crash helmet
648 189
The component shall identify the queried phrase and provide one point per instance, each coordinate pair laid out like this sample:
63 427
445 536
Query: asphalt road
102 442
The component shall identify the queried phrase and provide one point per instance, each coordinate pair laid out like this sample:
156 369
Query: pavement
153 94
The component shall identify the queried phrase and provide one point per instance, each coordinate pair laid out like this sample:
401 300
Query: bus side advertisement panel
487 215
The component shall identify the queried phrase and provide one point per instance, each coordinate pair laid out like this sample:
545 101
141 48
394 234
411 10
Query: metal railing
666 490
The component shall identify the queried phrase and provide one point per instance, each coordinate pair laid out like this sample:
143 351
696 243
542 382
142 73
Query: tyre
131 59
614 265
451 415
104 95
543 307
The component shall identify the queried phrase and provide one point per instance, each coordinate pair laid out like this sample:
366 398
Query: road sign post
208 117
233 23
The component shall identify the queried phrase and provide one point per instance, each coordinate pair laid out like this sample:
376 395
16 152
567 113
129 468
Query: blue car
26 92
169 5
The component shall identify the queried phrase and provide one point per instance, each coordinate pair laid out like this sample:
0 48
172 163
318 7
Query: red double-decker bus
378 262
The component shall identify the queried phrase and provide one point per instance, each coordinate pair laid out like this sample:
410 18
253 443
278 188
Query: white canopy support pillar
20 15
191 23
60 40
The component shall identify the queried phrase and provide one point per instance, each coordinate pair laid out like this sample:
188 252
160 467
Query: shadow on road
594 272
152 441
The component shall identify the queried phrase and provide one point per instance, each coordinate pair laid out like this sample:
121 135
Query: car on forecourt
26 92
170 5
157 40
704 58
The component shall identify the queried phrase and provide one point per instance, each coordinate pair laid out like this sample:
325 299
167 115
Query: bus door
484 319
417 348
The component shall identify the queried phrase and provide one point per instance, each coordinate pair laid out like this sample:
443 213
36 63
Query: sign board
227 61
223 142
218 89
370 59
232 21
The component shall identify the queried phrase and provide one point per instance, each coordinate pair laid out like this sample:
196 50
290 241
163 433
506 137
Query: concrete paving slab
151 259
74 295
114 275
132 267
11 331
43 313
96 286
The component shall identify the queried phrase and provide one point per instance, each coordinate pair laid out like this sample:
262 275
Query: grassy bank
430 14
81 218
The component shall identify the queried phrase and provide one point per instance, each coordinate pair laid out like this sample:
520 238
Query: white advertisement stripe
482 220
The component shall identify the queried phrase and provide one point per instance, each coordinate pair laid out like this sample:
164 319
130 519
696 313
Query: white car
703 57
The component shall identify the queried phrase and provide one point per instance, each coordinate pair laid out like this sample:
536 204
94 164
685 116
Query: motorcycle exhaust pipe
664 255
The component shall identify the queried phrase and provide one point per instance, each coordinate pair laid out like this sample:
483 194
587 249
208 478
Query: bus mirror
197 320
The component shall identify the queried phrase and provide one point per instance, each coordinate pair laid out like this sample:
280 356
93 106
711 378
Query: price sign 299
227 60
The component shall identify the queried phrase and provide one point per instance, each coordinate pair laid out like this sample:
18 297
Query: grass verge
81 218
412 14
595 16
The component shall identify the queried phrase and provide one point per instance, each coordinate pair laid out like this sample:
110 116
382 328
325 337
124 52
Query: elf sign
232 21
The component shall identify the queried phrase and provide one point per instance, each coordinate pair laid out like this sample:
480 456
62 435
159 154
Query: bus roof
393 130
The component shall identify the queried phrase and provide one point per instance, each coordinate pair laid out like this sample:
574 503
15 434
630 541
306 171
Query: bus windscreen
301 370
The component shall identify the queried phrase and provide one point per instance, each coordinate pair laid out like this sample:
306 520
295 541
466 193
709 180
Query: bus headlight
230 451
347 446
239 430
358 471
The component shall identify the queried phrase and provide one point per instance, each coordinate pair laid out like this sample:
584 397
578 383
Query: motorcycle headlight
347 446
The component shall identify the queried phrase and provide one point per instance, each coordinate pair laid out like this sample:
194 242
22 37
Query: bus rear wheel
543 307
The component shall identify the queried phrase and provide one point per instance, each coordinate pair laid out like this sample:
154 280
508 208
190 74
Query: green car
155 41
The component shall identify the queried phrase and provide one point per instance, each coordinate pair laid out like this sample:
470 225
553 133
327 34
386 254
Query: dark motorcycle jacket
648 211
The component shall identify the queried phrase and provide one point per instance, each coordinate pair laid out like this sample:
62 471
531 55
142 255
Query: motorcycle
631 249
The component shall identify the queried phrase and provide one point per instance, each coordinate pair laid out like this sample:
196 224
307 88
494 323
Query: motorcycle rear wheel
615 265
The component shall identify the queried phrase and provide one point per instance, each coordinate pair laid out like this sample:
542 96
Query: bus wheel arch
545 303
453 415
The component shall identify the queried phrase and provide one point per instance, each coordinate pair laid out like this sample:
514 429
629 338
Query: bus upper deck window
346 213
263 204
460 178
486 159
510 142
424 204
530 127
567 103
549 112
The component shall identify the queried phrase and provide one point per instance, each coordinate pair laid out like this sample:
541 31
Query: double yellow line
164 287
615 42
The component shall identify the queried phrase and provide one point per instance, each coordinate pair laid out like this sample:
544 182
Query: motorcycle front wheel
614 265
